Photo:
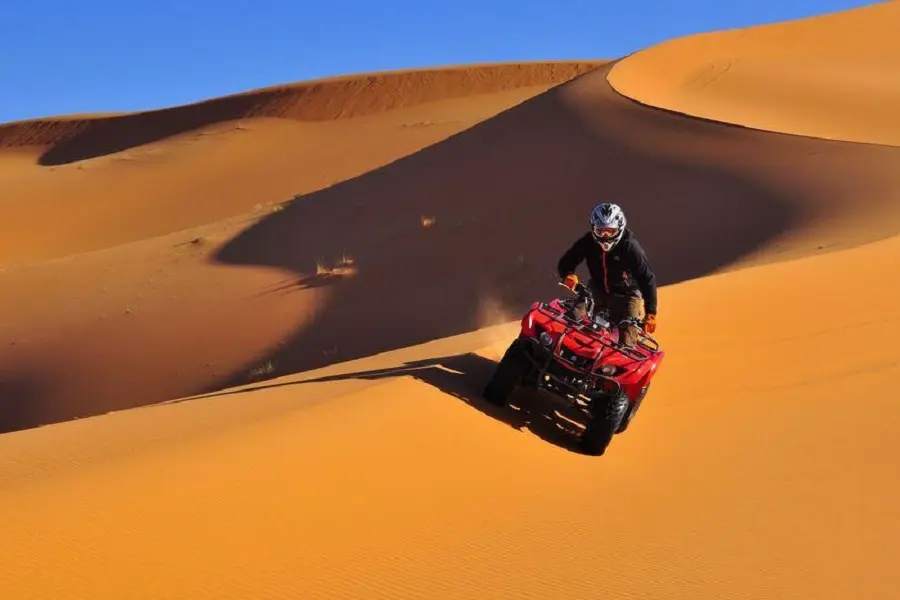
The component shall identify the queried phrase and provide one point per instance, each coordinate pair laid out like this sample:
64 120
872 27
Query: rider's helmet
607 225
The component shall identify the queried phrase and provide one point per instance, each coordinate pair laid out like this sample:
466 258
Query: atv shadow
464 376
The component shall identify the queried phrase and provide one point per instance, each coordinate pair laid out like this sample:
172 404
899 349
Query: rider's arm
643 276
571 258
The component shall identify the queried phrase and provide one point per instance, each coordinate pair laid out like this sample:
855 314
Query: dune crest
832 76
113 180
73 139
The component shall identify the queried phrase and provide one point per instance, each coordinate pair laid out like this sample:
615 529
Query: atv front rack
561 317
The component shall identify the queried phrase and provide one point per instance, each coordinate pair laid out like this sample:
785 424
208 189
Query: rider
620 272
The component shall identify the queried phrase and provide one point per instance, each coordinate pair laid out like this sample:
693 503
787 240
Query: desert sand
831 77
244 340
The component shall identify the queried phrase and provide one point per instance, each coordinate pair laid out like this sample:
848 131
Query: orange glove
571 281
650 323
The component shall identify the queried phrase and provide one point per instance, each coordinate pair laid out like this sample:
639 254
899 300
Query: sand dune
71 139
319 287
120 178
705 198
833 76
752 471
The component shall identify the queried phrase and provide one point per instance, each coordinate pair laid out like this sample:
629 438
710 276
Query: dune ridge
832 76
175 169
328 99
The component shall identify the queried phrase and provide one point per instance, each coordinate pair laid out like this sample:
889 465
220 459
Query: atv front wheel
607 415
510 372
633 408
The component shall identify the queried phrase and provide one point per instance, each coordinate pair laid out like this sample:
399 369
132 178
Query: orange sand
833 76
313 290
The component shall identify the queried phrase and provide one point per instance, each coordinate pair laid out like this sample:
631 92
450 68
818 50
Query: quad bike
567 349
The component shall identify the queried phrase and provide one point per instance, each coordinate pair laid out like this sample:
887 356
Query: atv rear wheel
510 372
607 416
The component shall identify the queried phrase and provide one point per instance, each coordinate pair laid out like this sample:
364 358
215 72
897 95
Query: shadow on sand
464 376
503 200
21 395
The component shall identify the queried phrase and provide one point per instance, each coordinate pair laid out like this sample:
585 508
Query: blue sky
61 57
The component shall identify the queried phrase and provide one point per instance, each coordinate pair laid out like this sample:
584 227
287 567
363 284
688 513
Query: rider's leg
627 307
601 300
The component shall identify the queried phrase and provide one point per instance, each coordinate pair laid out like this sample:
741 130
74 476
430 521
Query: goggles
606 234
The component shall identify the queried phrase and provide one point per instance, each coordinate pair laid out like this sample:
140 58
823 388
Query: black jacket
622 270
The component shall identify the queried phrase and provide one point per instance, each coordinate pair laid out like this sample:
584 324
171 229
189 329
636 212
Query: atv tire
510 372
632 409
608 415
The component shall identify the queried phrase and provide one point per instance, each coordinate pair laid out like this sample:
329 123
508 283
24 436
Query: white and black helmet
607 225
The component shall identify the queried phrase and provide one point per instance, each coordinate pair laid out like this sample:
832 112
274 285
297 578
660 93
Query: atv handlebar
583 291
580 289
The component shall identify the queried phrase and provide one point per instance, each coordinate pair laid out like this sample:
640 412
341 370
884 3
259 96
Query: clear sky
59 57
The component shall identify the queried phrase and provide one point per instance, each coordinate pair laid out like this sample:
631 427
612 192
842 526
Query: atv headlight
609 370
545 339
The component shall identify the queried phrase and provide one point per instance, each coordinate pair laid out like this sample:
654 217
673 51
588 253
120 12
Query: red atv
574 353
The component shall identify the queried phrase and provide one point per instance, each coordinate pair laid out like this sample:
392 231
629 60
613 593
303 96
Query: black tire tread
603 425
510 371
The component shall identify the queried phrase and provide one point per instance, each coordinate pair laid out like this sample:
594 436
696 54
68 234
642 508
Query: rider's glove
650 323
571 281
